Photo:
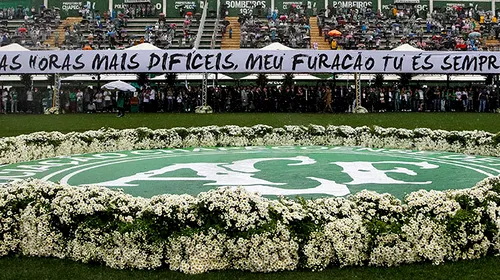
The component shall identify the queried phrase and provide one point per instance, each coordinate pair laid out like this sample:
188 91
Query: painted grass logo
306 171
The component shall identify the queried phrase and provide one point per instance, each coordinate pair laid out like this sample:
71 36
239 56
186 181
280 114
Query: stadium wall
71 7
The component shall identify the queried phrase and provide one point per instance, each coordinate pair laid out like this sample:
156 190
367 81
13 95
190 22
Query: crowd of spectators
140 10
290 28
163 34
97 29
131 10
18 12
110 31
456 28
320 98
36 28
98 33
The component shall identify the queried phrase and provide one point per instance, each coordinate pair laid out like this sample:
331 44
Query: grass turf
11 125
46 268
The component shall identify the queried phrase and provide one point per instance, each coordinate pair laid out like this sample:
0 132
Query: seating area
168 33
18 12
40 30
290 28
30 31
455 29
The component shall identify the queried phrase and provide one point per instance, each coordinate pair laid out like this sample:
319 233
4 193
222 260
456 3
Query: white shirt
98 97
107 96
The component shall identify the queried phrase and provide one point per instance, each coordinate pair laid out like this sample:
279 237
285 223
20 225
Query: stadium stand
32 30
290 28
458 28
455 29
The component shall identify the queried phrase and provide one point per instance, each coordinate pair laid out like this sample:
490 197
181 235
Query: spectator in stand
455 29
36 28
291 28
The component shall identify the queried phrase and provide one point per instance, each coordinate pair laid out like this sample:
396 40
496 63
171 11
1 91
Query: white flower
230 228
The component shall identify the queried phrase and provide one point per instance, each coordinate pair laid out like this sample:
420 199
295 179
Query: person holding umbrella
119 87
120 103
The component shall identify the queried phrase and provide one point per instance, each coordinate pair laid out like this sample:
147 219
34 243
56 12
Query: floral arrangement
40 145
203 110
52 111
360 110
230 228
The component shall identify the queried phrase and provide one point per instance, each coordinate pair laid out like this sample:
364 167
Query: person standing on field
13 101
483 97
120 103
152 101
328 100
29 101
5 98
107 101
145 100
79 101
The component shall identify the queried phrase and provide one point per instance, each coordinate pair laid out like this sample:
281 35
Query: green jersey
72 96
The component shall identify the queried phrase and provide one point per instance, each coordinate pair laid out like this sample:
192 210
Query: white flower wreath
230 228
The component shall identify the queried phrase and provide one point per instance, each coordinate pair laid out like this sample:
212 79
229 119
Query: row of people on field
324 98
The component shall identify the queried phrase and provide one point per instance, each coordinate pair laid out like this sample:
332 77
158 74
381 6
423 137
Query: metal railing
216 28
201 26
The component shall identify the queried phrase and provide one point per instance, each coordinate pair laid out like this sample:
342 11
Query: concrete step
234 42
315 37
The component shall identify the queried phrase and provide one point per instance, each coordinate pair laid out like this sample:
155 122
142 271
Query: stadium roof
144 46
276 47
13 48
281 77
406 48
